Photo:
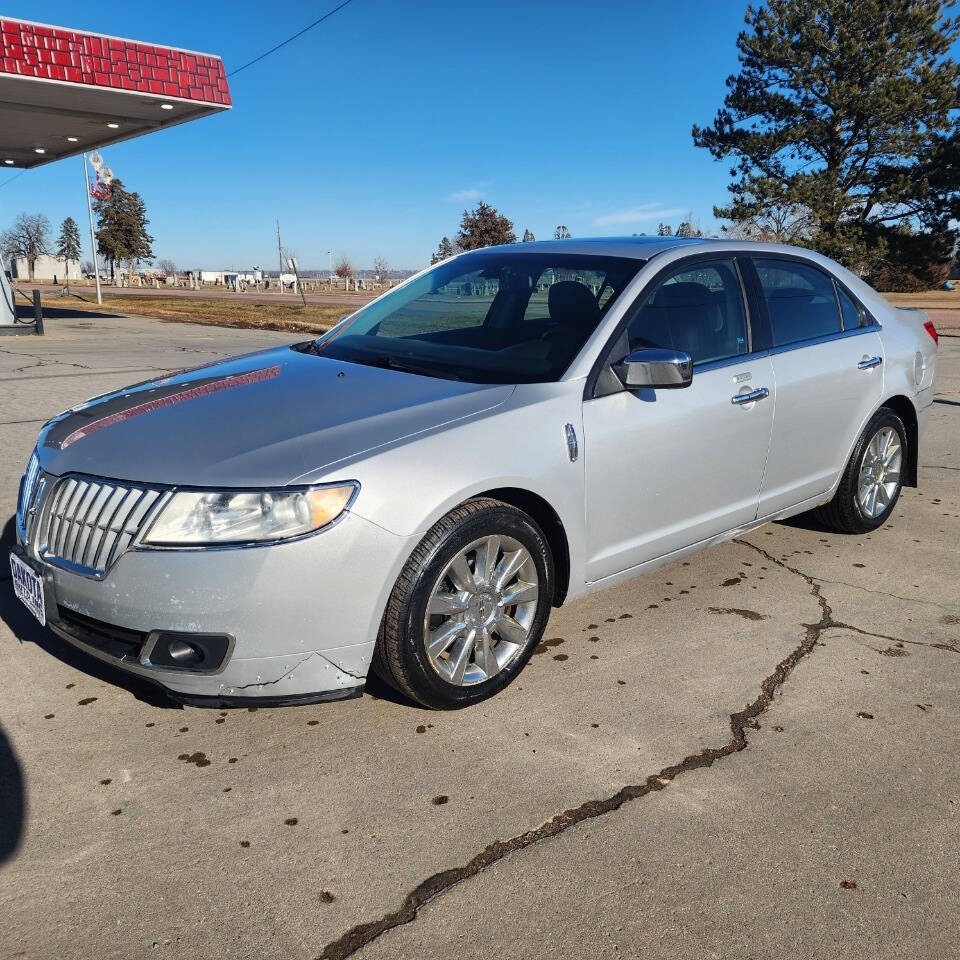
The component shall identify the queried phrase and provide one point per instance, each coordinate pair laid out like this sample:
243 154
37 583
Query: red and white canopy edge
64 92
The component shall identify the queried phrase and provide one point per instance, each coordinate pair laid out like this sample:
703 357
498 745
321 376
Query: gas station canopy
63 92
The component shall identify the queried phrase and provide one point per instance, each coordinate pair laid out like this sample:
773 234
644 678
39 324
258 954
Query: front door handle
761 393
868 363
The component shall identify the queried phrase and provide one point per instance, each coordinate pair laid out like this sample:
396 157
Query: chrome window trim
826 338
708 365
796 345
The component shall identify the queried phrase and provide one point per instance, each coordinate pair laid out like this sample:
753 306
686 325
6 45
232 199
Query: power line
299 33
250 63
14 177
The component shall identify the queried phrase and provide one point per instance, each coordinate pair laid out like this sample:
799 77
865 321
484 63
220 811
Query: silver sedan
510 429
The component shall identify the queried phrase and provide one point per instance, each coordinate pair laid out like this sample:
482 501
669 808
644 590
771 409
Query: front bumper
302 617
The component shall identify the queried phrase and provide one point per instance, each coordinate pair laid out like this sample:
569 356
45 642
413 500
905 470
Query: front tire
468 608
873 478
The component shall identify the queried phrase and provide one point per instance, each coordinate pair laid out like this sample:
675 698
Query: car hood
258 420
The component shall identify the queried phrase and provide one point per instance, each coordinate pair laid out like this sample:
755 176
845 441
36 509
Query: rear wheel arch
903 407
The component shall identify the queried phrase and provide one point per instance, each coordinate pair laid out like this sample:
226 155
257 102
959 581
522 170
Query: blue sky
370 134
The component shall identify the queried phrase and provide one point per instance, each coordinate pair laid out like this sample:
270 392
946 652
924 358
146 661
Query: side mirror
656 368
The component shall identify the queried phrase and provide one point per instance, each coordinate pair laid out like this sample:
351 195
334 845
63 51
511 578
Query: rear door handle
868 362
761 393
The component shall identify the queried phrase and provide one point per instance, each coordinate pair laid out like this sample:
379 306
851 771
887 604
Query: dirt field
288 316
286 312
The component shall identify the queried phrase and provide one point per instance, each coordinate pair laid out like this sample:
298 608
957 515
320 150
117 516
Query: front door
669 468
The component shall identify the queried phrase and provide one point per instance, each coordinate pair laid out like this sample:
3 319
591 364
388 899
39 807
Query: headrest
570 302
790 293
682 295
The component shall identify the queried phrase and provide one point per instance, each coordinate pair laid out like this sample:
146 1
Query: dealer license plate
28 586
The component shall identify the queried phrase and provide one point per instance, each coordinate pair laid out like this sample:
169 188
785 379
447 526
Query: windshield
496 317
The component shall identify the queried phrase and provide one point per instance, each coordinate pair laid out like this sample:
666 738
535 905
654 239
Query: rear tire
873 478
451 636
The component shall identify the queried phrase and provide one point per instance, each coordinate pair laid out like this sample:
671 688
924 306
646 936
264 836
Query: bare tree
778 224
167 267
344 266
29 238
381 269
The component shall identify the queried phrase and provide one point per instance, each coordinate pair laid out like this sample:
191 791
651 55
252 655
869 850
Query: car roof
640 248
643 248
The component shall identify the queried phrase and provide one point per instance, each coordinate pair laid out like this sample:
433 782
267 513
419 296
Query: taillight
932 330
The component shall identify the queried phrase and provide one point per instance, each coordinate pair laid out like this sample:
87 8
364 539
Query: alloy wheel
480 610
879 476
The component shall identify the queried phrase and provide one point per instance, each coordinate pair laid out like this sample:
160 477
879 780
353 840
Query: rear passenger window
800 301
853 316
698 310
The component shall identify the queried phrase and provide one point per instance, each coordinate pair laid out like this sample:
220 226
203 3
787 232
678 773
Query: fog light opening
182 652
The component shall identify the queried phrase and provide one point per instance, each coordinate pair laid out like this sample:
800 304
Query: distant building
46 268
229 277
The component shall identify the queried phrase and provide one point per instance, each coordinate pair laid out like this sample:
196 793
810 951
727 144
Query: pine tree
122 228
843 114
528 236
68 243
484 226
445 250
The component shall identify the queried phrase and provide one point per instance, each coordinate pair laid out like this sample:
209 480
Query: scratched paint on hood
123 408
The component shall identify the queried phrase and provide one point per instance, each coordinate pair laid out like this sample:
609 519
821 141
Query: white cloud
471 194
640 214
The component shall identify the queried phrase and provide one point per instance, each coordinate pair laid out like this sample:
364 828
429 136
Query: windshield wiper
402 366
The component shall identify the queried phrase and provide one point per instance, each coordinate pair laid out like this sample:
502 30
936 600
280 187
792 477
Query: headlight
191 518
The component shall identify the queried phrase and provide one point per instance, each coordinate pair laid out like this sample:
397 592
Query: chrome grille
27 490
88 523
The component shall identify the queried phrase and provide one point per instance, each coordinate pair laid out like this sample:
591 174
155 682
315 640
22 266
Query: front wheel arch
543 514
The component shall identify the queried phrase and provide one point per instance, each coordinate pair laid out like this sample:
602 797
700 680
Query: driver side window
699 310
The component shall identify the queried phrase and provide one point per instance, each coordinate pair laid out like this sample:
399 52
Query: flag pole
93 241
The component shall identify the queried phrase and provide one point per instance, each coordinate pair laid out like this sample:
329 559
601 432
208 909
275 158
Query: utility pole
330 255
279 258
93 241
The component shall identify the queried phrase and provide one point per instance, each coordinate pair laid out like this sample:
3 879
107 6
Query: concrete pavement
752 753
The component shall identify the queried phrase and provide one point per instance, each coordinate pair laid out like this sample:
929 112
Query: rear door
827 359
670 467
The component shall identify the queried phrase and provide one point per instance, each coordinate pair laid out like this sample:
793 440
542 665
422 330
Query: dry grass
929 299
315 318
288 317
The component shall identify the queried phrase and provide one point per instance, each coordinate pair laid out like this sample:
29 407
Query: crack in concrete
365 933
884 593
91 370
937 466
41 361
839 624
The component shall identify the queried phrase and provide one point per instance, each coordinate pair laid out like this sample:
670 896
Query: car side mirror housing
655 368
